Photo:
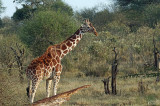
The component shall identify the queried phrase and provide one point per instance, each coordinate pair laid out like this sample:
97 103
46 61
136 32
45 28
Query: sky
75 4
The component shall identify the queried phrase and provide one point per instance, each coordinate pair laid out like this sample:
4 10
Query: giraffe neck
68 45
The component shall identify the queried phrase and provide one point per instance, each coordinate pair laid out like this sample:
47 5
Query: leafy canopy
30 7
46 28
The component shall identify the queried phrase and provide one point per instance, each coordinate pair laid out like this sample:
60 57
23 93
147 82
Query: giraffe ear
85 20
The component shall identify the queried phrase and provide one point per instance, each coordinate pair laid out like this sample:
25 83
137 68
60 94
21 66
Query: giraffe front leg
48 87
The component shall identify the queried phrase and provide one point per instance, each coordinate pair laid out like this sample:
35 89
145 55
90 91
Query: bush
7 57
45 28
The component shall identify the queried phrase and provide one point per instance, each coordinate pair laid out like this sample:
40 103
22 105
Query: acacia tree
23 13
126 4
140 12
32 6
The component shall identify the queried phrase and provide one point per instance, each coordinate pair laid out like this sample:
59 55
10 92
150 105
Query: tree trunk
58 99
114 73
155 51
155 59
113 84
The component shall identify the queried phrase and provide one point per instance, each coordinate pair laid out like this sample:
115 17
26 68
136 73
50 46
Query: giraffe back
44 66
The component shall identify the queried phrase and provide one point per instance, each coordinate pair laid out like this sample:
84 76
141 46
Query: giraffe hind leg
48 87
34 88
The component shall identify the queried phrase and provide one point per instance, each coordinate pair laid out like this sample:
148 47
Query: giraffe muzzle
96 33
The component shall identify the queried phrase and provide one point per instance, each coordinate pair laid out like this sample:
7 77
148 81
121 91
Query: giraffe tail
27 89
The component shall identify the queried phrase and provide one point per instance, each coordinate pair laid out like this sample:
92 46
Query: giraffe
48 66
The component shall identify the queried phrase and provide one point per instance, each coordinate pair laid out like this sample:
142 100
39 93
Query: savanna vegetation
132 27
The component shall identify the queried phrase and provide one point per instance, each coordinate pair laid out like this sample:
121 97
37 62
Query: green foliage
7 21
35 4
30 7
7 57
102 19
86 14
45 28
1 7
60 6
1 23
135 3
140 12
23 13
118 28
129 28
152 15
151 98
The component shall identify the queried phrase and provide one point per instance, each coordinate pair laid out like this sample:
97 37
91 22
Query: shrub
45 28
7 57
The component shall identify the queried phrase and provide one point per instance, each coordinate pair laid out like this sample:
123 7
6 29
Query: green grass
13 93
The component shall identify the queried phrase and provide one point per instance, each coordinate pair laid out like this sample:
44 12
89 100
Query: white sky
76 5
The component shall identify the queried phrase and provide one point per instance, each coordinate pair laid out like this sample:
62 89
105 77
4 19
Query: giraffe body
48 66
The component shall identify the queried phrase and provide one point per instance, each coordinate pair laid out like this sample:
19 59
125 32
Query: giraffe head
88 27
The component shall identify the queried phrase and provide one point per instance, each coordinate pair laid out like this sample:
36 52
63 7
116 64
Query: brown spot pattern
54 61
57 58
58 52
64 47
66 51
69 44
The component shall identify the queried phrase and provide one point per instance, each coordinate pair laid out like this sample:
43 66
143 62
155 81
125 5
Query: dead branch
58 99
19 59
106 85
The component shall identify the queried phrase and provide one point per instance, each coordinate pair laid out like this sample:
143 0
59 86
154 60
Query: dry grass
13 93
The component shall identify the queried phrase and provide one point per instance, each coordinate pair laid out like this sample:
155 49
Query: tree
30 7
1 10
59 5
6 21
129 4
86 14
19 54
140 12
1 7
114 72
102 18
152 15
46 28
35 3
9 55
1 23
23 13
